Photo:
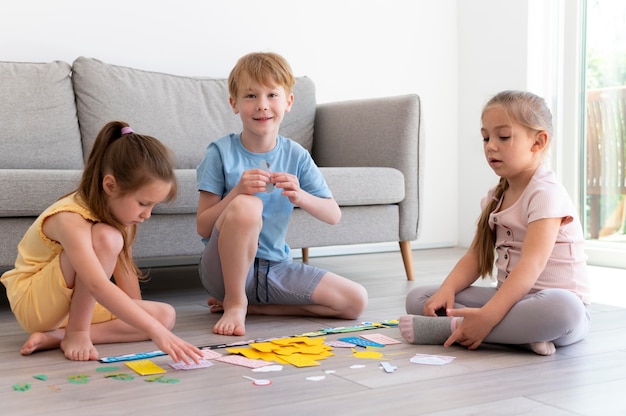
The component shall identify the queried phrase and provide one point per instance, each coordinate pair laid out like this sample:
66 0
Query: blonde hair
134 160
266 68
531 112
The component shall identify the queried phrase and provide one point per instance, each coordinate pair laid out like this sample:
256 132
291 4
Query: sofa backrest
186 113
38 113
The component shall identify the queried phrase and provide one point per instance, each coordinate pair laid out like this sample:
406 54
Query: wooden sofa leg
407 258
305 254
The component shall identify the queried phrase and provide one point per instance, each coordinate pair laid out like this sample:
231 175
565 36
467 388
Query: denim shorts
267 282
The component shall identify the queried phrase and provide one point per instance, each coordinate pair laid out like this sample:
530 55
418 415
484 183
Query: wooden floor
588 378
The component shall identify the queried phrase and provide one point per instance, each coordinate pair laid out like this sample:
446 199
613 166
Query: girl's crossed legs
543 320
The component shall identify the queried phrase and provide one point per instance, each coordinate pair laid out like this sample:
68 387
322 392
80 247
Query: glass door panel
605 144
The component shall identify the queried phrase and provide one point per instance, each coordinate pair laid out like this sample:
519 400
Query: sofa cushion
38 113
36 188
365 185
186 113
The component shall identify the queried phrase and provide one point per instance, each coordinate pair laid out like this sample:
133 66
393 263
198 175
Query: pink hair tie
126 130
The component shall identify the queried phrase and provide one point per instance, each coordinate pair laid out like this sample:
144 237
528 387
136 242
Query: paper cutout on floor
268 368
181 365
242 361
161 379
120 376
21 387
340 344
361 342
298 351
316 378
431 359
107 369
381 339
367 354
79 379
210 354
145 367
300 360
41 377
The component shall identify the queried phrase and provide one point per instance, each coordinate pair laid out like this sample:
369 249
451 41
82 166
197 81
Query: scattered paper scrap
21 387
388 367
367 354
357 366
120 376
161 379
340 344
316 378
181 365
381 339
41 377
362 342
145 367
431 359
299 351
243 361
268 368
210 354
107 369
79 379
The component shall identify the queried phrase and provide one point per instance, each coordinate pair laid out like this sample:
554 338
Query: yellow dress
36 289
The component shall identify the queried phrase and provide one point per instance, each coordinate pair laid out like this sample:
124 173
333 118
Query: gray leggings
555 315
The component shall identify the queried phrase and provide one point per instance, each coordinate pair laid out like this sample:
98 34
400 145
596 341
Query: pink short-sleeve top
544 197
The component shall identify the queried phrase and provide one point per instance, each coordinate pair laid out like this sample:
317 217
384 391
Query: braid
485 238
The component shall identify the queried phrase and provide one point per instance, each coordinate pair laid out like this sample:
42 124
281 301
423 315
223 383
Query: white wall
453 54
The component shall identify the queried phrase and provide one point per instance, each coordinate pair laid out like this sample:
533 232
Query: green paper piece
168 380
120 376
153 378
79 379
42 377
21 386
106 369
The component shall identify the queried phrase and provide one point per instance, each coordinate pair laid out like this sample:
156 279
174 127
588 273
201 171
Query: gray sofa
370 152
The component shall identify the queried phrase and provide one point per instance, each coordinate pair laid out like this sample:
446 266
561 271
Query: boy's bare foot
39 341
215 306
77 346
232 322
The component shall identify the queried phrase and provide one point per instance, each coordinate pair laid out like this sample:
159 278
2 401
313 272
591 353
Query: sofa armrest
377 132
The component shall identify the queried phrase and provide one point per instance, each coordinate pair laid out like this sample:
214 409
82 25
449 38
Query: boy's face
261 108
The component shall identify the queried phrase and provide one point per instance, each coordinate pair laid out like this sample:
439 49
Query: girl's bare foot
543 348
215 306
39 341
77 346
232 322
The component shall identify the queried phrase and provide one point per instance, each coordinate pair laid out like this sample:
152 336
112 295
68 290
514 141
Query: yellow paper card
145 367
300 361
264 346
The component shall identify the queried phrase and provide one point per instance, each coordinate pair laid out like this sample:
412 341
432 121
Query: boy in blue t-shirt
249 183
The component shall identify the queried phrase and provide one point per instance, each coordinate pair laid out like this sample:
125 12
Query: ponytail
485 240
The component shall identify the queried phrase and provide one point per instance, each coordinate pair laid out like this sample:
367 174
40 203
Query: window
605 132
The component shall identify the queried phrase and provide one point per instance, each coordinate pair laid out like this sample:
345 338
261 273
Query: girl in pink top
529 221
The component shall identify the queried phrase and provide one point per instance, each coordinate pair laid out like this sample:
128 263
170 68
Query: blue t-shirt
226 159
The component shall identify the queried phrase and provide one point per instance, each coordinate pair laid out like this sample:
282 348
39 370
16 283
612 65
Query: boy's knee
245 209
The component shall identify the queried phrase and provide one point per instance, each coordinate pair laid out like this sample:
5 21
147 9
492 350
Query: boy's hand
289 184
253 181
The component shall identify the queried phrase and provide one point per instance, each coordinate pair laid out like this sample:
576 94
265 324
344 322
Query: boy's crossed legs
237 231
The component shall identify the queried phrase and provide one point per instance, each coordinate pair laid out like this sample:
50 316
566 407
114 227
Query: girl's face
509 147
135 207
261 108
